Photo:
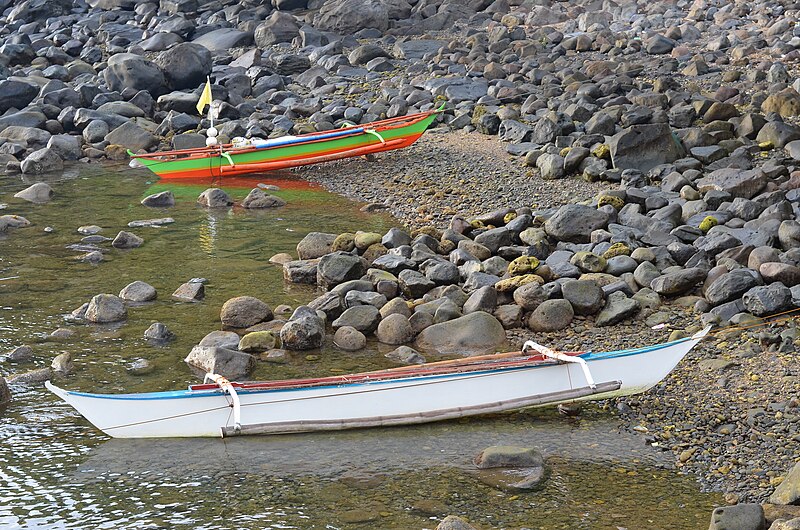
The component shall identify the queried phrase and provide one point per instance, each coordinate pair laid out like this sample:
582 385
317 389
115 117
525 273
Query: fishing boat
535 376
247 157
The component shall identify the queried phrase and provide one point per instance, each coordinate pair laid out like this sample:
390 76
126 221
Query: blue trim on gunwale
181 394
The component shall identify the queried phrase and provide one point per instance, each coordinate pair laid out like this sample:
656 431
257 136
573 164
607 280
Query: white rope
561 357
226 386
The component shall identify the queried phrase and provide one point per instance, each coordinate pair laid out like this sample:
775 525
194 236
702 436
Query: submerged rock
158 332
5 392
40 192
106 308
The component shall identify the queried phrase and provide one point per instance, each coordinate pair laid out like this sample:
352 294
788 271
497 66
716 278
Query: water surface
56 471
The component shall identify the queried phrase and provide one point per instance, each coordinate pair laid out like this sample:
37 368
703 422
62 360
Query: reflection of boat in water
406 395
595 438
290 151
285 181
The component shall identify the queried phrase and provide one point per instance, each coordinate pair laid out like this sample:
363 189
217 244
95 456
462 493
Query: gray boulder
551 315
278 27
364 318
483 299
214 198
105 308
127 70
42 161
618 307
644 147
220 339
38 193
12 221
244 311
226 362
185 65
16 94
138 291
405 355
676 283
66 146
788 491
258 198
585 296
730 286
738 517
190 292
315 245
738 182
347 17
126 240
132 136
575 223
395 329
470 334
349 338
339 267
224 39
764 300
158 333
304 330
164 199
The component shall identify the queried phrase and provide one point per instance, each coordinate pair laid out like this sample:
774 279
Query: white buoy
212 133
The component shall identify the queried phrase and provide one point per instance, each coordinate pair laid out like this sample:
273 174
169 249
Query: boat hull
303 150
406 400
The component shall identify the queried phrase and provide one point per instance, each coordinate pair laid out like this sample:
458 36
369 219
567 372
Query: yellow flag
205 97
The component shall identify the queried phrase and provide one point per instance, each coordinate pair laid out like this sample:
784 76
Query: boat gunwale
212 392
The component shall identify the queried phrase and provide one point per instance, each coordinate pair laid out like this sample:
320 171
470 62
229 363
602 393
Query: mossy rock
364 240
617 249
766 146
477 223
258 341
602 151
427 230
523 265
508 285
510 216
588 261
446 246
375 251
708 223
613 200
344 242
478 112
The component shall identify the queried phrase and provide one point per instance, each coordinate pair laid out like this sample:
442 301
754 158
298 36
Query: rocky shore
600 169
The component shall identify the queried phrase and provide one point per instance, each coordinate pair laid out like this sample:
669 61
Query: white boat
419 394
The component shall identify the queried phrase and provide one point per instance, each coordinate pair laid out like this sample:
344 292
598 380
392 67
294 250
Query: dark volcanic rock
126 70
185 65
643 147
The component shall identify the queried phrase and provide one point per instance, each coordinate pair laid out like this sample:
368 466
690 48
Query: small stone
214 198
20 354
105 308
158 332
551 315
190 292
37 193
125 240
405 355
164 199
138 291
258 341
244 311
395 329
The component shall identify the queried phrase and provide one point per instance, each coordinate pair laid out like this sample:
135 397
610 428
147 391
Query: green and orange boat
262 156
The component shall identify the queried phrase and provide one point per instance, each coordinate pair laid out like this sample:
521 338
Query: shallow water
56 471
